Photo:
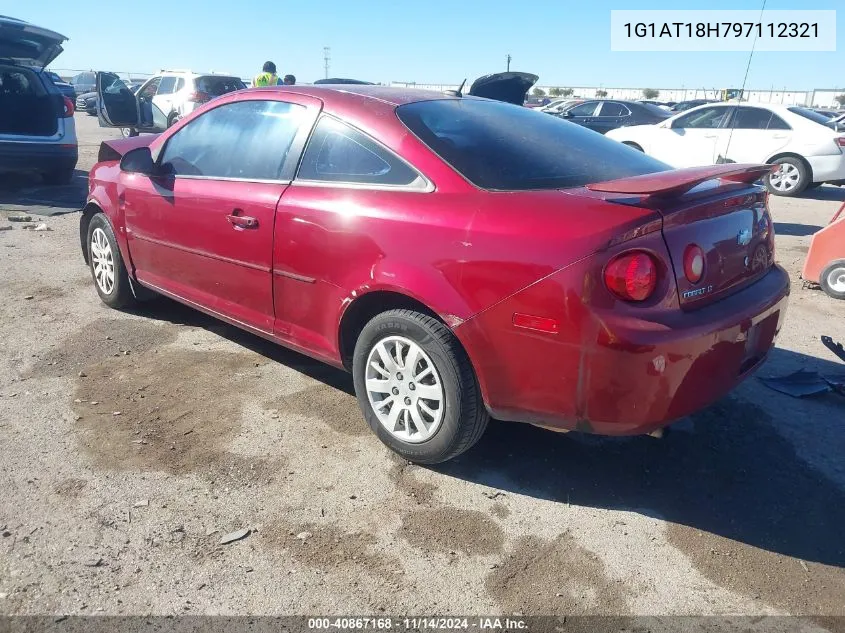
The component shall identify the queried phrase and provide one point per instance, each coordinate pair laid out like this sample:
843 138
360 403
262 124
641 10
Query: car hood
510 87
27 44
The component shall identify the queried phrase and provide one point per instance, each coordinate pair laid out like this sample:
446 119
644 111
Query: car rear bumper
42 157
827 168
622 375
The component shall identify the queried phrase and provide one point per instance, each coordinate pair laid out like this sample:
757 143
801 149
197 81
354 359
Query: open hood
27 44
510 87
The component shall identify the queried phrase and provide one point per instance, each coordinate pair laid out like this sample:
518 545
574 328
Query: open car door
118 106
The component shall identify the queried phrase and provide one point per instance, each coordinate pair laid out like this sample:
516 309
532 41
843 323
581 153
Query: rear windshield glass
655 110
809 114
496 145
216 86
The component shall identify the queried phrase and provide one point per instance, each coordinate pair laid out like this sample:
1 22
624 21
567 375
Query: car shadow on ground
163 309
727 470
29 193
825 192
796 230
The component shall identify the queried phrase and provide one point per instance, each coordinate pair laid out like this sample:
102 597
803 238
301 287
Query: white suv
175 93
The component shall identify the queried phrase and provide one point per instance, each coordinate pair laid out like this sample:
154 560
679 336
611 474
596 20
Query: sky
565 42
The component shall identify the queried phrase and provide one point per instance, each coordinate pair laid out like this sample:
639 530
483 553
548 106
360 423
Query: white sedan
793 137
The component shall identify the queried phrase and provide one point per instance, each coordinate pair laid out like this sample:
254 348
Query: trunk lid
510 87
28 45
717 209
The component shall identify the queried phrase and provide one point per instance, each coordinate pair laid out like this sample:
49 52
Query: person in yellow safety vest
268 77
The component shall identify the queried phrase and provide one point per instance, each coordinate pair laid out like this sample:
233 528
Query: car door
690 139
582 114
201 228
753 135
610 115
118 106
344 173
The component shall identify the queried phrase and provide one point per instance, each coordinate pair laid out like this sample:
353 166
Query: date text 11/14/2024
418 623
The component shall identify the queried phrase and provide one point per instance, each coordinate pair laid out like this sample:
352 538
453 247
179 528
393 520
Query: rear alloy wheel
416 387
128 132
790 180
107 269
832 279
174 118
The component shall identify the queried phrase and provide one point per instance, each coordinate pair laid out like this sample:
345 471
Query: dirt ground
132 443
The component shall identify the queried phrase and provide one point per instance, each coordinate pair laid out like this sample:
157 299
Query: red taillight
199 97
840 140
68 109
631 276
693 263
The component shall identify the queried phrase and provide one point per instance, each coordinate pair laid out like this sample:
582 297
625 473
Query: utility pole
509 62
326 59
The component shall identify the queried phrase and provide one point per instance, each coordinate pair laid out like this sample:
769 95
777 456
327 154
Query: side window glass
179 85
167 85
584 109
701 119
247 140
776 123
751 119
611 108
339 153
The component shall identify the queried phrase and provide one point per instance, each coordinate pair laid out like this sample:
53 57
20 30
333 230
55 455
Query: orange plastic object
826 245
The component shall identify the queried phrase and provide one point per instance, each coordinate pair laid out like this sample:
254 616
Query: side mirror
138 161
566 114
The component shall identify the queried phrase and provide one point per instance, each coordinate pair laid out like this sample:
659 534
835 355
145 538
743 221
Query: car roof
342 94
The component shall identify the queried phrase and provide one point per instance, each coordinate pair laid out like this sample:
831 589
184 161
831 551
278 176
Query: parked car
88 102
84 82
64 87
37 131
692 103
368 227
825 262
559 105
809 154
836 123
827 114
604 115
168 96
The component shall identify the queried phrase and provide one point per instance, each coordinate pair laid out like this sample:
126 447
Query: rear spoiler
679 181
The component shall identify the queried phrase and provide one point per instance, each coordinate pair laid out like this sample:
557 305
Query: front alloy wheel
110 277
102 261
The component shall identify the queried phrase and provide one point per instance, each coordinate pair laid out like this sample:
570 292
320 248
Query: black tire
464 417
173 118
61 176
120 296
128 132
803 177
834 270
632 145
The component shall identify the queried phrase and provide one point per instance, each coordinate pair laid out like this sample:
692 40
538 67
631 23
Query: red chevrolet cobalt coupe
462 257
